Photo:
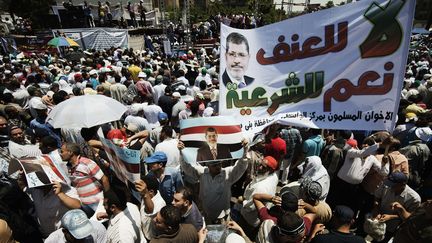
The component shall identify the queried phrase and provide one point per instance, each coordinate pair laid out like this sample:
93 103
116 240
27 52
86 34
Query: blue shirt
171 183
38 123
313 146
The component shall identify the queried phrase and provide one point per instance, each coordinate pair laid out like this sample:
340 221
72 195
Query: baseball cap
289 199
271 162
77 223
290 224
352 142
311 188
343 213
162 116
157 157
396 178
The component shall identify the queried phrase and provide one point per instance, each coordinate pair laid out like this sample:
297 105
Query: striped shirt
85 177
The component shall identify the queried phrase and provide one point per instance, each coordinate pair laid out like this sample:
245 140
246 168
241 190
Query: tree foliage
330 4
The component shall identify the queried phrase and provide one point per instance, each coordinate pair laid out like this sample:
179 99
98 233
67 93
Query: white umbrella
86 111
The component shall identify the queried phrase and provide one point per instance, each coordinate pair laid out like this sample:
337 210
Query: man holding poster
237 60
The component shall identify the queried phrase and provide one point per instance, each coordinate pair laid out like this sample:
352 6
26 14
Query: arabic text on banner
344 71
123 161
211 139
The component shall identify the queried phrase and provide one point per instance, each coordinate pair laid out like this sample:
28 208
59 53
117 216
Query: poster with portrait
338 68
123 161
210 139
38 171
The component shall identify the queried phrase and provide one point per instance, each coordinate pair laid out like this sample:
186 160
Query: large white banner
340 68
97 38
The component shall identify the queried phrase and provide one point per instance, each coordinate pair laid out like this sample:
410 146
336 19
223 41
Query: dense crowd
291 185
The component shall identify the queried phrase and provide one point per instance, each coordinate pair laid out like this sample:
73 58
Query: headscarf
314 168
117 137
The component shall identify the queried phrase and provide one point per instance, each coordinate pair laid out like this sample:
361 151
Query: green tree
330 4
33 9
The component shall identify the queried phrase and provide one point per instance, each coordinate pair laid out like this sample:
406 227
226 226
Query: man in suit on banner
212 150
237 61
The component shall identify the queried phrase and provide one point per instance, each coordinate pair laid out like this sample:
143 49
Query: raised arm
195 170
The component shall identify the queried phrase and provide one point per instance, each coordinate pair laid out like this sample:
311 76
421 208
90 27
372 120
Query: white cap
142 75
38 105
176 95
234 238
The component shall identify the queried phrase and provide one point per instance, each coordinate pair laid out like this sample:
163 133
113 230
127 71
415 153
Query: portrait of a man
237 60
212 150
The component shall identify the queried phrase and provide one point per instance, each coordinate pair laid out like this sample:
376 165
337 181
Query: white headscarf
314 168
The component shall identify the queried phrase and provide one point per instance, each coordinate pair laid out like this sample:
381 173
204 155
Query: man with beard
4 136
184 200
237 61
39 122
167 223
215 185
125 220
266 181
19 146
169 177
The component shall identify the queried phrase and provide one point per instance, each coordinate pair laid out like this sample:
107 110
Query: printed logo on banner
340 72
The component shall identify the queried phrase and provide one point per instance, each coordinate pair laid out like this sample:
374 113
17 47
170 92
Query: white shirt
183 80
356 166
140 122
169 147
409 199
49 208
125 227
99 234
155 135
215 192
32 102
179 106
147 218
260 184
236 81
151 113
21 97
159 90
20 151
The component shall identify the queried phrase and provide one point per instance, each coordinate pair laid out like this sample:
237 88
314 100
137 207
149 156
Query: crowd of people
291 185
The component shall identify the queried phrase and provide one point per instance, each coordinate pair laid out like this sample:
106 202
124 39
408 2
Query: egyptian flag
193 135
123 161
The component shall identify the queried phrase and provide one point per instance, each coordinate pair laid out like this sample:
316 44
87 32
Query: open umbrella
86 111
62 41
